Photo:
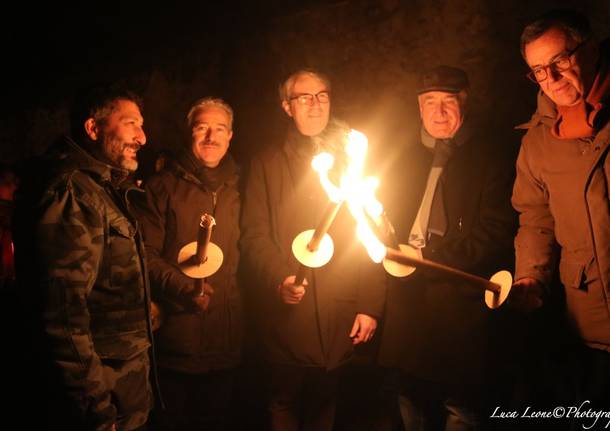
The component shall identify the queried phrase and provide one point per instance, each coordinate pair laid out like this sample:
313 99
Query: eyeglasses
561 63
308 99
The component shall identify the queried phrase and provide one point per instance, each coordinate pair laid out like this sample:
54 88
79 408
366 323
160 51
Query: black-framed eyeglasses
308 98
561 63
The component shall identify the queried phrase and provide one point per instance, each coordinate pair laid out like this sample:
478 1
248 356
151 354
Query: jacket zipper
202 316
154 372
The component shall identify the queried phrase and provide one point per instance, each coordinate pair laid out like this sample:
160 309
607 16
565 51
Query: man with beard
81 270
561 191
309 327
199 339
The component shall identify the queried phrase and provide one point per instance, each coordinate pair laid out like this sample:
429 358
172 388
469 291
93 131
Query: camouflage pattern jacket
81 269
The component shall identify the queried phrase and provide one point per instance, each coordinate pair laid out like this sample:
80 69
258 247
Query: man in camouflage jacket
81 269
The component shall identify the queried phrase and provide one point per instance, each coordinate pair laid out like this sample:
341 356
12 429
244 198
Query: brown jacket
561 193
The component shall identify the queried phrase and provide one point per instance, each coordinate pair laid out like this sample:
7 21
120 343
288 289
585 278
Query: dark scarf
443 150
211 178
331 140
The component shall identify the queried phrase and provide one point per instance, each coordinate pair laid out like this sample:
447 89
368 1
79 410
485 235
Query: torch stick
202 258
300 277
496 289
312 256
327 219
400 257
204 235
402 260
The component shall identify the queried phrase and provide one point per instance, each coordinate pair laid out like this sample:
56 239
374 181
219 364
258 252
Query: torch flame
322 163
358 191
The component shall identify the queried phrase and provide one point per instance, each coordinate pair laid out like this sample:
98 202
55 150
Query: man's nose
141 136
554 75
315 101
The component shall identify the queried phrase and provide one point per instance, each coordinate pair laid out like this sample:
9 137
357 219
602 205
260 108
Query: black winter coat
283 197
435 328
176 198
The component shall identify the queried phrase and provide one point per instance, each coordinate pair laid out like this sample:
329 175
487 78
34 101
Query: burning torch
400 260
314 248
202 258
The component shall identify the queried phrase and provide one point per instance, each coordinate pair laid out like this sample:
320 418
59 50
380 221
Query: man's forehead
126 108
212 114
307 82
440 95
549 45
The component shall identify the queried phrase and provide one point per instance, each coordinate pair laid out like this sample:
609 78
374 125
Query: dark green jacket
80 267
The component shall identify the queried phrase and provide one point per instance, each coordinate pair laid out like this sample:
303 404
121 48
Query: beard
114 149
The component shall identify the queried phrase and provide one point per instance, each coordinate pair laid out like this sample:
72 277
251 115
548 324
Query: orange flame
355 189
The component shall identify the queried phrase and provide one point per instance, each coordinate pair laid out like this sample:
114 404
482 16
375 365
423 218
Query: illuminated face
441 113
210 135
309 118
121 135
564 88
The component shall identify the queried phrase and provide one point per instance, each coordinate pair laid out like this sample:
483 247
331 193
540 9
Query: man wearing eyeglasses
561 189
309 328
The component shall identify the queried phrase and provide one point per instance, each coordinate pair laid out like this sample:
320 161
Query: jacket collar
331 139
187 167
73 156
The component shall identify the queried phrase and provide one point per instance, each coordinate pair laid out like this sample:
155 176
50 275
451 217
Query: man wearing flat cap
451 205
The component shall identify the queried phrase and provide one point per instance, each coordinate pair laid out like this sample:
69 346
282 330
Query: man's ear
91 129
286 107
463 98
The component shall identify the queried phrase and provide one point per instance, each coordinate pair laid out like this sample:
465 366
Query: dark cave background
173 54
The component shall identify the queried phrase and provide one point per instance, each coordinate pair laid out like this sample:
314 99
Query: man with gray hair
451 204
309 326
199 339
561 189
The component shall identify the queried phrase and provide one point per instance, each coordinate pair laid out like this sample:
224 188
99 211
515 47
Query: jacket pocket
122 227
123 262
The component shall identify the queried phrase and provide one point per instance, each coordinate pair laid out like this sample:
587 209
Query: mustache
134 147
209 143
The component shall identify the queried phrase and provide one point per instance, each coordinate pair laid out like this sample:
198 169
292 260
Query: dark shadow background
173 54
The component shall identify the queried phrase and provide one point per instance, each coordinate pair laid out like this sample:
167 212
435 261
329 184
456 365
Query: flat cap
442 78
